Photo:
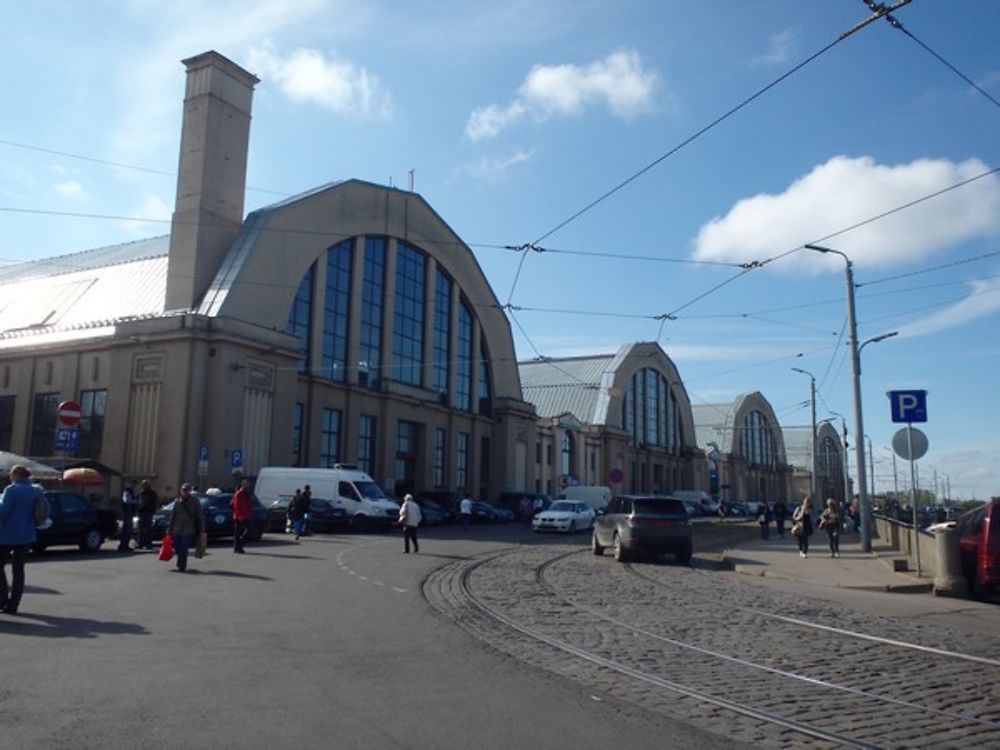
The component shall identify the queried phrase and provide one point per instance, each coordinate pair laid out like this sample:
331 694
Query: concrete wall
899 536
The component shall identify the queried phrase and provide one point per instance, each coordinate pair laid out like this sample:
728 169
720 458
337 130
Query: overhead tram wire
542 358
117 165
928 270
878 13
896 24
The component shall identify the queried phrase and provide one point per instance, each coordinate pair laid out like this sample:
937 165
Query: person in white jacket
409 519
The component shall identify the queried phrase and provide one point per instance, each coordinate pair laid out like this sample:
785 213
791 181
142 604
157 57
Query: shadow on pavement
29 589
50 626
225 573
255 553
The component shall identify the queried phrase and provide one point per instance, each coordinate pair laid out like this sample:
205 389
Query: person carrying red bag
187 523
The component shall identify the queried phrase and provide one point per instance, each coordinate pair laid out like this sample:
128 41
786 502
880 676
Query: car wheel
572 528
92 541
684 556
619 549
595 546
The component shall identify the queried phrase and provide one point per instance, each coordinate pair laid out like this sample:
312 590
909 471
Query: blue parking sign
908 406
67 439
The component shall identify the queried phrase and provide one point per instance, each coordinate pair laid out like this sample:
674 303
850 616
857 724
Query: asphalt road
323 643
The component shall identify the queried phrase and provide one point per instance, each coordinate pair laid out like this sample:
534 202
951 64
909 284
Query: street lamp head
804 372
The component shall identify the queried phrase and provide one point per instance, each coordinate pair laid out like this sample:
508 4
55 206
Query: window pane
299 317
408 316
372 290
336 303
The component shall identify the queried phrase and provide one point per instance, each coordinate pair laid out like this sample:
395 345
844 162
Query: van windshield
370 490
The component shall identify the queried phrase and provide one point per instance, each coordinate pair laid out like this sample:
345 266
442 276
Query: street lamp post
859 427
812 426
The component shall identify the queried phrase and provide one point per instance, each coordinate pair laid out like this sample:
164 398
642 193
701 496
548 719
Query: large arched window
757 441
336 306
299 318
649 412
484 380
408 315
442 332
370 333
463 364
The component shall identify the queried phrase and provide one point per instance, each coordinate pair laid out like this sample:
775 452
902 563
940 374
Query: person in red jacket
242 515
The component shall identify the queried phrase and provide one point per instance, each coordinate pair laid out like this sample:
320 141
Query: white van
343 485
699 497
596 497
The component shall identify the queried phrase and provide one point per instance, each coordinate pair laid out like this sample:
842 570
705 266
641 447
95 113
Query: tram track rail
508 612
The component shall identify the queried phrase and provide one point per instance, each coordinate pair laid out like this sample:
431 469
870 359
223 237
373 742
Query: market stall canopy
83 476
38 470
68 462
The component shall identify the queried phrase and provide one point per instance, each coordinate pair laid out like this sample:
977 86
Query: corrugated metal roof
84 290
571 385
713 423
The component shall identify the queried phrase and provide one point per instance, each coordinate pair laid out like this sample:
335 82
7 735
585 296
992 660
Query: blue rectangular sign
908 406
67 439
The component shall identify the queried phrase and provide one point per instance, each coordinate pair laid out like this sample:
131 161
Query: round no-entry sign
68 413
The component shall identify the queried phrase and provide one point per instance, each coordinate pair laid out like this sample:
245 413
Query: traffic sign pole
913 495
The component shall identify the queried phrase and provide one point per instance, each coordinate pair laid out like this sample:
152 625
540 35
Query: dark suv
652 524
979 539
75 521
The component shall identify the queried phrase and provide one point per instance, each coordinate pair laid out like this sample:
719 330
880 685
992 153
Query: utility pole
812 426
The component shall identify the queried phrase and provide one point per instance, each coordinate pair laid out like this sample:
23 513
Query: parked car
431 514
979 541
72 520
218 517
565 515
326 517
483 512
652 524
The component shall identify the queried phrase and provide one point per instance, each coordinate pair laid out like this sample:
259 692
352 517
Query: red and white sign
68 413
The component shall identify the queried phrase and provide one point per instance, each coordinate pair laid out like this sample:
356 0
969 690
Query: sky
623 171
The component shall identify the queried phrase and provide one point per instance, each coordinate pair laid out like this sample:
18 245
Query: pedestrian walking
148 504
17 534
465 511
307 516
832 523
409 519
780 512
130 504
764 519
802 525
297 512
855 513
242 515
186 525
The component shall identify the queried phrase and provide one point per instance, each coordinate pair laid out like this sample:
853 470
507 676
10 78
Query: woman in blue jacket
17 534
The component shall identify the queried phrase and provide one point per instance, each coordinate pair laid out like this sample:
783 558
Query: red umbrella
83 476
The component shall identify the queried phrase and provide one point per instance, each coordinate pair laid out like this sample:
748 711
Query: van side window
346 489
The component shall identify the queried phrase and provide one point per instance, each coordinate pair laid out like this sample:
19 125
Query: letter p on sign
908 406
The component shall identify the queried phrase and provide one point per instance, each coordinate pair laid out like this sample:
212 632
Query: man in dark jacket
148 504
242 515
17 534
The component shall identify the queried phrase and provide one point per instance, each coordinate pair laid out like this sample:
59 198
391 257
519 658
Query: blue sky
515 118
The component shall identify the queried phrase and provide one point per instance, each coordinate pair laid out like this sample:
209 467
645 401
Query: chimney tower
211 177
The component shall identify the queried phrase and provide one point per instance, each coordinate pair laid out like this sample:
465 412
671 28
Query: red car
979 539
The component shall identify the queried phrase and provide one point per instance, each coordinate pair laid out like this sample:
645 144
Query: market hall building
622 420
745 449
347 324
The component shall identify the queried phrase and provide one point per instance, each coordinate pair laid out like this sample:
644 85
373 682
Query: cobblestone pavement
704 630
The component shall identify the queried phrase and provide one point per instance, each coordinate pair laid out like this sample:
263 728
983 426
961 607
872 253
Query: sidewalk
854 569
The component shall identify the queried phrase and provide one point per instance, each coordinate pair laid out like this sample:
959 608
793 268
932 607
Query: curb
762 571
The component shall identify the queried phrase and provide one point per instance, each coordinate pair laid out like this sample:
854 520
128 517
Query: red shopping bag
167 548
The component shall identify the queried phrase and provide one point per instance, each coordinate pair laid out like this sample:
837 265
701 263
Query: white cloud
71 189
617 82
845 191
148 217
337 85
779 49
495 168
983 300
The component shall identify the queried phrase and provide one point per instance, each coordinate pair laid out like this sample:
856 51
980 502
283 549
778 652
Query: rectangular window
407 449
538 453
442 333
366 444
298 423
336 304
6 422
408 315
548 454
485 392
329 439
462 461
93 407
300 316
484 461
440 453
43 424
372 290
